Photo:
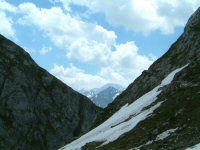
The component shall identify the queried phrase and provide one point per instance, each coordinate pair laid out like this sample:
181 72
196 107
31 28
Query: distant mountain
37 111
116 86
160 110
90 93
104 95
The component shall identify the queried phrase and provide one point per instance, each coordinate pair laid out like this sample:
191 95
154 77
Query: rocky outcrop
37 111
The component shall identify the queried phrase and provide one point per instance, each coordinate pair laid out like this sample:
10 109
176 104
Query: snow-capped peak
104 95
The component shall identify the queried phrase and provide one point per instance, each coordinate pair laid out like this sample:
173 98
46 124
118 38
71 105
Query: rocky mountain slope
37 111
161 108
104 95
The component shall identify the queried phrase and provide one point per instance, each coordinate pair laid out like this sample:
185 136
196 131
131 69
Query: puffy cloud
121 66
77 78
125 64
128 62
81 39
6 25
142 15
113 76
89 51
45 50
5 6
89 43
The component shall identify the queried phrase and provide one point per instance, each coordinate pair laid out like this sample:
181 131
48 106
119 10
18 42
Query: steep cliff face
37 111
160 116
185 50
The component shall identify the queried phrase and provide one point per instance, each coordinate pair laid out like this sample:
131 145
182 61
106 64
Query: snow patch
116 95
123 120
170 77
196 147
165 134
161 136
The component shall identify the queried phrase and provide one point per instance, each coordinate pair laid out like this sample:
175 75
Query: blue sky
89 43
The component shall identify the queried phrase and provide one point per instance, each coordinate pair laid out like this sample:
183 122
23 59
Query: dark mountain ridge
37 111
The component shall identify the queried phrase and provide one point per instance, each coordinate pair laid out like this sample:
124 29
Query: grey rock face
37 111
194 22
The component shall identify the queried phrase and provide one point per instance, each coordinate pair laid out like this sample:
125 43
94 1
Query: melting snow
123 120
161 136
165 134
196 147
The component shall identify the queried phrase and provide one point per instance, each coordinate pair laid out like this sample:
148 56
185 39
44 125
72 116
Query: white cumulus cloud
7 6
142 15
121 66
86 43
77 78
128 62
6 25
79 38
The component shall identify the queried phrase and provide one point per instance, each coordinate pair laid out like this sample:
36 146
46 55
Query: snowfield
125 119
196 147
